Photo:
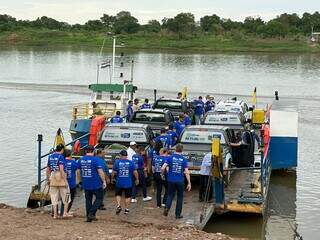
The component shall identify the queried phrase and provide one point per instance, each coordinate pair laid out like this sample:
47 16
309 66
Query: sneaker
147 199
163 205
165 212
126 211
179 217
118 209
133 200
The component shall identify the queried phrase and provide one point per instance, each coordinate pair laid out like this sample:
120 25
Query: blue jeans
159 184
142 182
198 119
172 188
91 208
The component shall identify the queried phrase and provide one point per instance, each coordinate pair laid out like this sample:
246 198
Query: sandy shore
19 223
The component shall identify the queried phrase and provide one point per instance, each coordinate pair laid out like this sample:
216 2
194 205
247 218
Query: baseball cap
123 153
133 143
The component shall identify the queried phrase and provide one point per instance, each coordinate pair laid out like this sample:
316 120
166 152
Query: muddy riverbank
20 223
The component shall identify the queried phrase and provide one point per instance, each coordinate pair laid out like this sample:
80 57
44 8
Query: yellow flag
254 97
184 93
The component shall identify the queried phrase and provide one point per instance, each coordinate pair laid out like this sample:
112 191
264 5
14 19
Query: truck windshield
169 104
124 135
149 117
203 136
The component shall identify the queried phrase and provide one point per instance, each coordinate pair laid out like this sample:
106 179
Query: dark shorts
127 192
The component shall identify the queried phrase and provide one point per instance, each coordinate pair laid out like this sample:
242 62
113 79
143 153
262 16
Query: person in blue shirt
55 173
187 119
124 171
210 104
138 161
100 153
163 137
159 177
70 167
205 179
117 118
146 104
179 124
93 182
172 135
129 111
176 167
199 110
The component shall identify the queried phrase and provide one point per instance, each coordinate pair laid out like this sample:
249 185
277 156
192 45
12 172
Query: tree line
182 25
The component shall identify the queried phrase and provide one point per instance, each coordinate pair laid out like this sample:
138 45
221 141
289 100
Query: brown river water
26 110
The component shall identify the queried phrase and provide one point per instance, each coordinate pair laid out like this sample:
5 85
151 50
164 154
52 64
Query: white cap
133 143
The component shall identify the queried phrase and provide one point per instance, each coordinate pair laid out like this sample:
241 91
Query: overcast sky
79 11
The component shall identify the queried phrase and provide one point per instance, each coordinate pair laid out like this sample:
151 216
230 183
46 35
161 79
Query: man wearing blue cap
124 170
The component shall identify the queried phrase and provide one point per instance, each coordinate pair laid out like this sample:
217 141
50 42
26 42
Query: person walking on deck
129 111
138 160
71 168
100 153
124 171
176 167
117 118
93 182
199 110
159 177
57 180
206 186
146 104
131 150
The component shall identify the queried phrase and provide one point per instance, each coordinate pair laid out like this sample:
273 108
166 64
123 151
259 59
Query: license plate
194 172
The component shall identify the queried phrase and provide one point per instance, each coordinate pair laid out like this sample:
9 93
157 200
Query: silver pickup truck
197 141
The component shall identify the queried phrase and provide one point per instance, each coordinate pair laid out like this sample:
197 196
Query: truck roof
128 125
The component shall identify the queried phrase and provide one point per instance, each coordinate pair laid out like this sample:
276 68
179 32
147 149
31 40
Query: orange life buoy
77 147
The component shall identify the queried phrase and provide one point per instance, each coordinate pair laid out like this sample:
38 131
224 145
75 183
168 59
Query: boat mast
113 58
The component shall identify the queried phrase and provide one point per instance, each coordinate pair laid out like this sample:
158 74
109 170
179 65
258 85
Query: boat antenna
99 59
113 57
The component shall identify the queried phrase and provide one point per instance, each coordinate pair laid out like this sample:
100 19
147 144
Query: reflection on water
279 221
24 114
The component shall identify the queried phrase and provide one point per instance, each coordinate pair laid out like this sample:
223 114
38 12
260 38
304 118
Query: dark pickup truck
176 106
154 118
117 136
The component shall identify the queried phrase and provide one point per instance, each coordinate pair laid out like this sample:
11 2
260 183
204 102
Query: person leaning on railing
57 180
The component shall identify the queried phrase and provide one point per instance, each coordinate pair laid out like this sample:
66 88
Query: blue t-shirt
116 119
138 161
129 112
187 120
164 139
145 106
199 107
124 169
179 126
177 163
104 165
157 162
173 137
70 168
54 160
90 178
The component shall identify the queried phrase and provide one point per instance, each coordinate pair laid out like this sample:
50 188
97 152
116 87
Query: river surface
294 199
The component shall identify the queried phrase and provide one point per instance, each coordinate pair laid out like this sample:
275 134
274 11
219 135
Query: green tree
252 24
209 23
275 28
153 26
94 25
125 23
108 21
181 24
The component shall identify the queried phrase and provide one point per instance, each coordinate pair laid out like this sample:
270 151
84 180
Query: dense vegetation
286 32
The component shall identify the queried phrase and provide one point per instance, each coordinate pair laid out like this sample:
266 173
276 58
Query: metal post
39 140
262 174
155 94
131 78
113 58
98 69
